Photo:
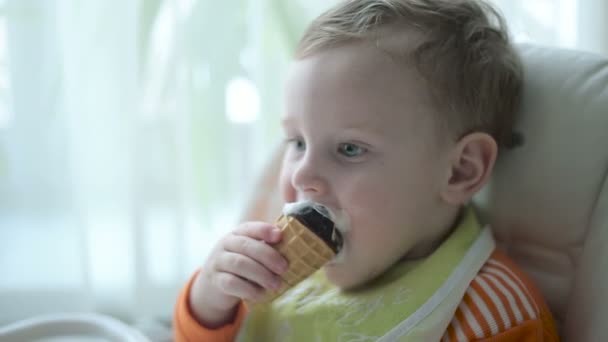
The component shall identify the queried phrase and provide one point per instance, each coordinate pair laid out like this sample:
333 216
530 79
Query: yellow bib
412 301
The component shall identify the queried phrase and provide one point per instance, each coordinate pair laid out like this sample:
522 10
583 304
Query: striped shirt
500 301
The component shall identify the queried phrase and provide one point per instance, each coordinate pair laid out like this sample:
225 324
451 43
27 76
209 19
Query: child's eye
351 150
298 143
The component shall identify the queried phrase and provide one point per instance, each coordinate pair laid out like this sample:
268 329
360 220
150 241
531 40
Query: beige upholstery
548 199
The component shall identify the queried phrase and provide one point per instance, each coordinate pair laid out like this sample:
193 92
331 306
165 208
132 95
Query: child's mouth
331 224
341 227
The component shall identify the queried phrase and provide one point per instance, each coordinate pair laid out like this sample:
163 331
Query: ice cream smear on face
327 223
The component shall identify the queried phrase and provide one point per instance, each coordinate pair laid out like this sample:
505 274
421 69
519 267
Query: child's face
363 140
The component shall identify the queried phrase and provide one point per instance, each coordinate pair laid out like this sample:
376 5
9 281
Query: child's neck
428 246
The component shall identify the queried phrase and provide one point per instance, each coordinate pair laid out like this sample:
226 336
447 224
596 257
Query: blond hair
463 52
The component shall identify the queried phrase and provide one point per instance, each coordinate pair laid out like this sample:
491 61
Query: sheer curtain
131 133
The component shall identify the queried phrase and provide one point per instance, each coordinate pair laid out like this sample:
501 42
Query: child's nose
307 177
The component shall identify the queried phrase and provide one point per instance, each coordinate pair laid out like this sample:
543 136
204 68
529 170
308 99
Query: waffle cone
304 250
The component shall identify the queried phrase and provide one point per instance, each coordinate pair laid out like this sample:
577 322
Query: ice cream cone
304 250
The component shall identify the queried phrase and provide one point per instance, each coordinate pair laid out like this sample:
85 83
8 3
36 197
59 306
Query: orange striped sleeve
188 329
501 304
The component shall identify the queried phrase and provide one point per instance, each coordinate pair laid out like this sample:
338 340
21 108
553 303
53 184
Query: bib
412 301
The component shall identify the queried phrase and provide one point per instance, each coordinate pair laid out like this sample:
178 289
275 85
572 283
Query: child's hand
241 266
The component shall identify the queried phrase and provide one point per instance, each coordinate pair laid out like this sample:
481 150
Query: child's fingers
256 250
259 231
249 269
235 286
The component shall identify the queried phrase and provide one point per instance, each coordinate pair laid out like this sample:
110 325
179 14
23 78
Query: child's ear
471 164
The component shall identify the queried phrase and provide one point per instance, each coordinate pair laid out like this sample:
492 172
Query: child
395 110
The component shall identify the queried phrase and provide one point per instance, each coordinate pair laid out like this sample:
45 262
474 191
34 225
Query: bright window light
5 110
242 101
185 7
5 115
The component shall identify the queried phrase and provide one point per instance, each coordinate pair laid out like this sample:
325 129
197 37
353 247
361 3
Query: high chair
547 200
